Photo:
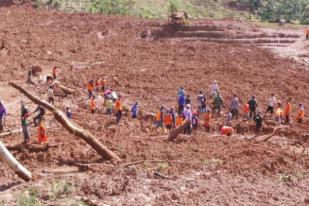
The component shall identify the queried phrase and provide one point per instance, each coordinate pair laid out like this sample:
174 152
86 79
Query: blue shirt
181 100
2 111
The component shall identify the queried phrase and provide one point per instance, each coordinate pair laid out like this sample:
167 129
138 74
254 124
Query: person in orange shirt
118 109
42 137
246 110
179 120
92 104
168 120
90 88
159 118
301 113
207 119
279 114
287 111
228 131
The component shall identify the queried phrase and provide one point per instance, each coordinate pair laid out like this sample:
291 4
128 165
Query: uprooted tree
10 160
87 136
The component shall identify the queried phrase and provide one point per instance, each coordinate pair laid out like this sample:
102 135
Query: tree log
66 90
10 160
179 130
87 136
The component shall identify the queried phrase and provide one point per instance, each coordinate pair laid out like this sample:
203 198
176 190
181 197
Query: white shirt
272 101
50 93
214 88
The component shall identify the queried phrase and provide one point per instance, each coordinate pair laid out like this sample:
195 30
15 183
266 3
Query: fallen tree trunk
87 136
179 130
66 90
10 160
4 134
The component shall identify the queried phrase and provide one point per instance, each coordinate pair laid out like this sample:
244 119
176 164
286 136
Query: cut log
4 134
179 130
66 90
10 160
73 128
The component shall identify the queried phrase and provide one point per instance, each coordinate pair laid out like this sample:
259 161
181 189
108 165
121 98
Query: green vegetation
29 197
293 11
60 188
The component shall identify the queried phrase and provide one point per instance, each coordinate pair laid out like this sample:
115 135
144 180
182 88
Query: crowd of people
208 109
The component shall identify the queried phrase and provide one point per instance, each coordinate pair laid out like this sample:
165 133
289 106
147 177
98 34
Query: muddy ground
147 62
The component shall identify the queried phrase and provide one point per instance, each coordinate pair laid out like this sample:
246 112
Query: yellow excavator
179 18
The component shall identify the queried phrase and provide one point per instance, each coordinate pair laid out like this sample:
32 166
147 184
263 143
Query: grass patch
60 189
162 166
211 161
29 197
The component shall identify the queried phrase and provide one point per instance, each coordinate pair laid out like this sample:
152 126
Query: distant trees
273 10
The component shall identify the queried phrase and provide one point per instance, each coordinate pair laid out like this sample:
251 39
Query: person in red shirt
168 120
118 109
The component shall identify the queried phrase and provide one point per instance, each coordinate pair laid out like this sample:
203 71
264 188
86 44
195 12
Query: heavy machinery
178 18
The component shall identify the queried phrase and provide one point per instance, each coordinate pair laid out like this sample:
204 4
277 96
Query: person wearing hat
2 116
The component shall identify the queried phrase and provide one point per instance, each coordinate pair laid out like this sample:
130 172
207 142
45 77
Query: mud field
147 61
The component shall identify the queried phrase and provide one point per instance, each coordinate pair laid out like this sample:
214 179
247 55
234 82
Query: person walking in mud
272 101
29 76
217 104
214 88
50 95
252 106
287 111
235 107
2 116
118 109
258 123
25 114
41 112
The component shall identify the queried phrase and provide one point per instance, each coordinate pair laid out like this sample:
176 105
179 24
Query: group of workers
166 117
169 119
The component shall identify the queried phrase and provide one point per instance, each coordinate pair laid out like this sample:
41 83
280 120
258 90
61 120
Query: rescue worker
134 110
235 107
68 112
29 76
181 103
207 120
179 120
98 85
187 100
159 118
90 88
226 130
214 88
279 113
301 113
109 106
187 113
246 110
258 123
181 92
2 116
195 120
287 111
93 104
42 137
118 109
41 112
272 101
218 103
103 84
50 95
168 120
173 113
202 102
252 106
25 114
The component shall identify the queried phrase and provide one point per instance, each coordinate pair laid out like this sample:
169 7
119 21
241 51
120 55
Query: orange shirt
168 120
118 105
307 31
42 134
207 118
179 121
227 131
246 108
158 116
301 114
288 109
90 87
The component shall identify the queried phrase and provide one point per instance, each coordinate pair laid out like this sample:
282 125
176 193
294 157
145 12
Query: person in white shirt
214 88
50 95
272 101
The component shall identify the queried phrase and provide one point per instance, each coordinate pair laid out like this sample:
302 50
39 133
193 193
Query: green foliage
60 188
29 198
112 7
274 10
173 6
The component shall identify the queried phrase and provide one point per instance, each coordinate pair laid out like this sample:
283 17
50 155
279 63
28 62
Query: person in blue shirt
134 110
68 113
181 103
2 116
